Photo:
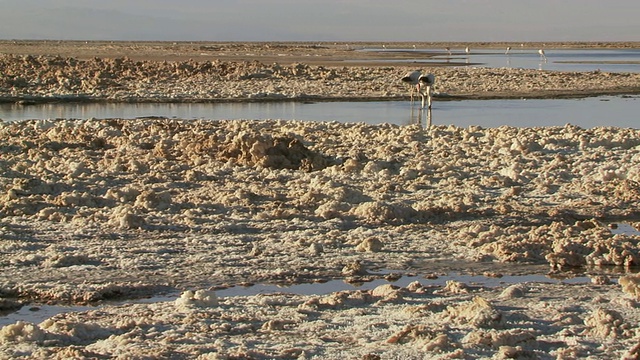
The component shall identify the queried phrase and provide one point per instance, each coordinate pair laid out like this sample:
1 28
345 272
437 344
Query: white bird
422 83
508 49
467 50
448 50
542 56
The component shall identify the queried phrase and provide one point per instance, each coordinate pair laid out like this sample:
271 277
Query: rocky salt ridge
101 209
27 78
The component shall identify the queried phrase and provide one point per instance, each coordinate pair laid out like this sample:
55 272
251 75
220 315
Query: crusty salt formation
21 332
361 192
630 285
606 323
122 208
198 298
389 321
30 78
479 312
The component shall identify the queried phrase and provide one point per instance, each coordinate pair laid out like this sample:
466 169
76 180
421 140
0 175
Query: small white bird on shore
508 49
423 83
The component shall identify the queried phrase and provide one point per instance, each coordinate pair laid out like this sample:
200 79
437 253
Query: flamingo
422 83
542 56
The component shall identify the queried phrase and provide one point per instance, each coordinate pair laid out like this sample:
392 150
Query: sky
322 20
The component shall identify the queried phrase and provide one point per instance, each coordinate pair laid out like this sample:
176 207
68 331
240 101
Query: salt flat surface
96 211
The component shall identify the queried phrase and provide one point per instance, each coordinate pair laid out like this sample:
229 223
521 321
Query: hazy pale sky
322 20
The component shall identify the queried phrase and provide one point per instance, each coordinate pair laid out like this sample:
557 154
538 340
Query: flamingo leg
426 97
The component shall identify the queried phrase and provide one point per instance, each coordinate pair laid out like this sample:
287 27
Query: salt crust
123 79
176 202
201 325
200 298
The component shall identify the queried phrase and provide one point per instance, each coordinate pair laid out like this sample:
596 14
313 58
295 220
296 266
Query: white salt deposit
198 298
172 204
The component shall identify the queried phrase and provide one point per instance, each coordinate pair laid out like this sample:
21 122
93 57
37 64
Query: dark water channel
620 111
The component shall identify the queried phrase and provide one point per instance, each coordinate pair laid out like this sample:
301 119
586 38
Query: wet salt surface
609 60
37 313
620 111
535 274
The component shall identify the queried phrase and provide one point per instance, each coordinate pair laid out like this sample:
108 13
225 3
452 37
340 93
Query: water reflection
421 117
618 111
39 313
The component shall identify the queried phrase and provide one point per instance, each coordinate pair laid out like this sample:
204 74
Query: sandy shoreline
99 210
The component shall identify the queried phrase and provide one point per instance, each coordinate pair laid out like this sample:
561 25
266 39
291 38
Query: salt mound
199 298
21 332
479 313
630 285
606 323
370 245
501 338
276 153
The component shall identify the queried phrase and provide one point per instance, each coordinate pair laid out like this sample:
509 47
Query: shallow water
38 313
624 229
608 60
621 111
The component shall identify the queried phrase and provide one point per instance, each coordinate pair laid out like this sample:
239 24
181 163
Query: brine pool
619 111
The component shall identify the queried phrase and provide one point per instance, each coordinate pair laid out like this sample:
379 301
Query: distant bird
508 49
542 56
414 47
448 50
467 50
422 83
